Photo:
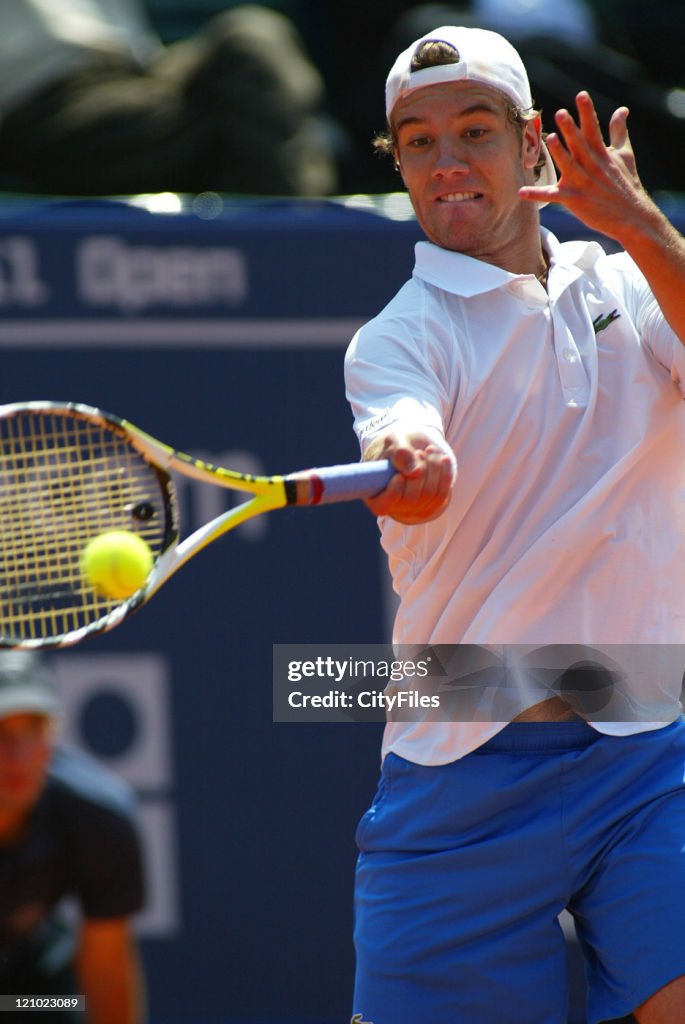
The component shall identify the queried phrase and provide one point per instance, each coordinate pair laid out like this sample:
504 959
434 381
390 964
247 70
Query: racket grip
345 483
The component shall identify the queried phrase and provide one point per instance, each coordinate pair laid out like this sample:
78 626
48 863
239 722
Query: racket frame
269 493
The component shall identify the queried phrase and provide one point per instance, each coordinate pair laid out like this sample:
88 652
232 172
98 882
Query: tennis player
530 395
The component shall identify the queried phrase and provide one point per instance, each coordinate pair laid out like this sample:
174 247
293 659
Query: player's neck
530 258
517 249
543 269
534 263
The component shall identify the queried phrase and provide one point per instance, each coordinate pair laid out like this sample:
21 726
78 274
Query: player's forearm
110 975
115 1004
659 251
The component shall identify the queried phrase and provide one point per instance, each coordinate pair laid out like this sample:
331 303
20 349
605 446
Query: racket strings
63 481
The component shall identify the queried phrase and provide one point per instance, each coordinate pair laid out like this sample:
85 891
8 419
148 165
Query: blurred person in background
67 832
93 103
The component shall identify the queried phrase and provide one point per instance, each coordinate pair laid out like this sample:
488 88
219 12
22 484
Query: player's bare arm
109 972
599 184
425 474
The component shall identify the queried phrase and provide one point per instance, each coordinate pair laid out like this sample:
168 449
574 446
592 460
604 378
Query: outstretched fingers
618 128
598 181
588 124
583 144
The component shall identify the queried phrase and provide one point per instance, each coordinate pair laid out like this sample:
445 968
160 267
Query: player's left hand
597 183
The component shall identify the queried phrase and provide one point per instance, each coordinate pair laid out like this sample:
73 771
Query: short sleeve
96 817
391 380
655 332
108 863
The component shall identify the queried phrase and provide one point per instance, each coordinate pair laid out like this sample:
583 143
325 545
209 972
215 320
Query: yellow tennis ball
116 563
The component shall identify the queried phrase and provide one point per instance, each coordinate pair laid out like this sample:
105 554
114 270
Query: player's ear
531 142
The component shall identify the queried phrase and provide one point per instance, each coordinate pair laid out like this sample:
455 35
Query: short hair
434 53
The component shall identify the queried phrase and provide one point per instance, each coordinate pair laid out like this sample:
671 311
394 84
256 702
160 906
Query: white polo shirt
566 524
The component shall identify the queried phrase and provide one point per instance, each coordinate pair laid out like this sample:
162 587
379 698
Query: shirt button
569 355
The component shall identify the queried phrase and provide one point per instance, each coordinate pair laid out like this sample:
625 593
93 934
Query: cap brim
27 700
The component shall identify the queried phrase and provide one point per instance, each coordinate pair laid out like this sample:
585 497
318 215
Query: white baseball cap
26 685
484 57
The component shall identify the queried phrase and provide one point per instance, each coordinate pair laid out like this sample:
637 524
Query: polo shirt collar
464 276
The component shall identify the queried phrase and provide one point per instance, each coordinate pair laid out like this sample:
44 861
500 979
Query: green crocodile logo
600 323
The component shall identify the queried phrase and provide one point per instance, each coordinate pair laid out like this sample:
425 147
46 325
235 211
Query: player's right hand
425 476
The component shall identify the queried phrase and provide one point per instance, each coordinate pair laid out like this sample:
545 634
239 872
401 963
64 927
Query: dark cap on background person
26 685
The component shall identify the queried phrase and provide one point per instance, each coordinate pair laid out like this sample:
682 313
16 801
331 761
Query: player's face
25 749
463 162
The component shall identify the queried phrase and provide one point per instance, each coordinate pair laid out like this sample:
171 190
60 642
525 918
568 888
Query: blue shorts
464 867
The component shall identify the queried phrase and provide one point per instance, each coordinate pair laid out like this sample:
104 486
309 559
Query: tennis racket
69 473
